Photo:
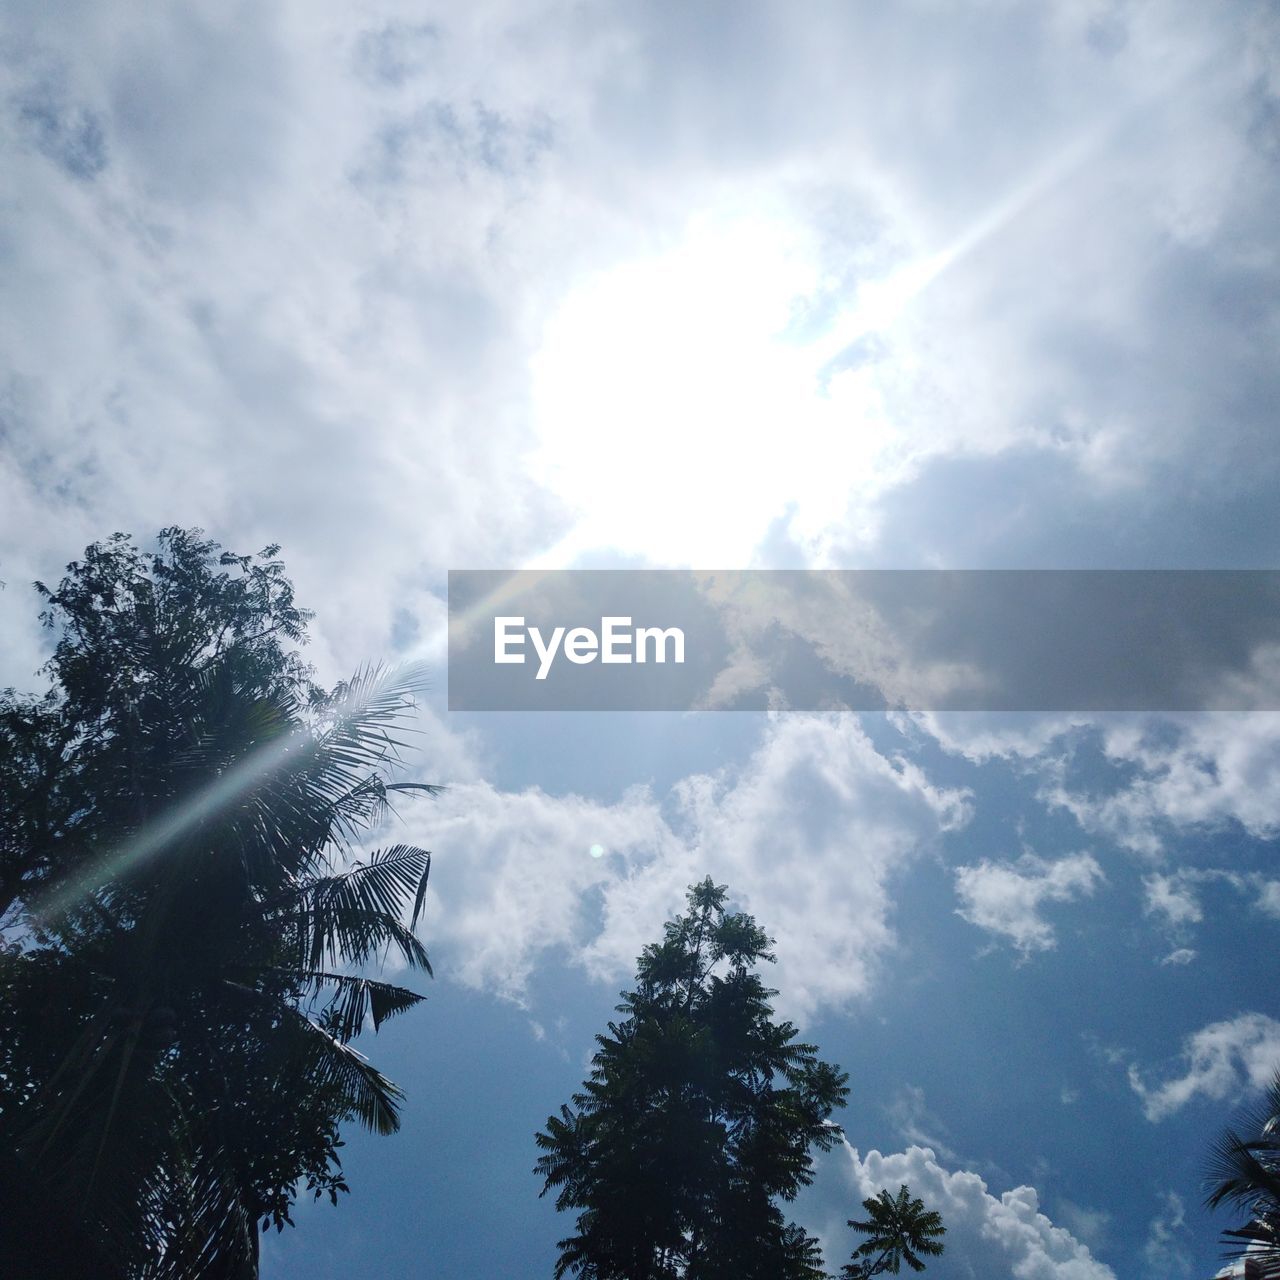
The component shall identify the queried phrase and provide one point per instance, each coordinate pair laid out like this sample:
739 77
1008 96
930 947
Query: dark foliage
1245 1175
186 918
898 1229
699 1116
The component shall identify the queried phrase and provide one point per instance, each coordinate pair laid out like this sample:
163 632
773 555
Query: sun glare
677 413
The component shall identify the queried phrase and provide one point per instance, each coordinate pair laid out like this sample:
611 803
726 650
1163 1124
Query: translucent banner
942 640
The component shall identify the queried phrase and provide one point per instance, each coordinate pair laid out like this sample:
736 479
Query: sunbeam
164 832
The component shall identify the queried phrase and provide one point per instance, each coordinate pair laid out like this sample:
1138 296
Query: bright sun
679 415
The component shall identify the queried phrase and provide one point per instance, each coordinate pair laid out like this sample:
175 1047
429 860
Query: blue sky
412 287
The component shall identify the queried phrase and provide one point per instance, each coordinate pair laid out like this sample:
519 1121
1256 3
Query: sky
981 284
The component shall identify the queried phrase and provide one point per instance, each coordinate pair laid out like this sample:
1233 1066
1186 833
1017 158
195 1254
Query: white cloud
986 1236
865 648
1166 1253
312 255
1172 898
1090 1226
1181 774
809 835
1005 897
1175 899
981 736
261 345
1190 772
1269 897
916 1124
1219 1061
514 877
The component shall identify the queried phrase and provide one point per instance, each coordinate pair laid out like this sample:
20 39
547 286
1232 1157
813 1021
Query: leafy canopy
1244 1174
700 1113
188 917
899 1229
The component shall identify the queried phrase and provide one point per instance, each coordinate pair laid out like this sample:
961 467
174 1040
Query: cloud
986 1236
313 260
1172 898
1166 1254
1088 1225
264 344
70 136
1167 778
981 736
1005 898
1073 343
1186 773
916 1124
809 834
1269 898
514 878
1220 1061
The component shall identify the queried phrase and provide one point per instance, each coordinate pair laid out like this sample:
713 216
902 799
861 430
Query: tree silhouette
699 1114
1245 1174
899 1229
188 918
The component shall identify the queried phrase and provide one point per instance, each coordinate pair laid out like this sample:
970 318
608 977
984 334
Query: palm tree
899 1229
176 1022
1245 1173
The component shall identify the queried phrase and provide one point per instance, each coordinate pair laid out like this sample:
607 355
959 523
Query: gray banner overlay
865 640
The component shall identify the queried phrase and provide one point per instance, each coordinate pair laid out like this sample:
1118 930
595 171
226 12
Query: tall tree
700 1113
187 918
1245 1175
899 1229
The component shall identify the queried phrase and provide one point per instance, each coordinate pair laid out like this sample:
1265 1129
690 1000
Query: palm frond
351 915
365 721
355 998
1244 1172
373 1099
210 1231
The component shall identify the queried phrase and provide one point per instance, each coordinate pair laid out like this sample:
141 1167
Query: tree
1245 1174
899 1229
136 633
700 1113
188 916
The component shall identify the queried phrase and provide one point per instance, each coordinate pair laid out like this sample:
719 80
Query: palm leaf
356 998
351 915
372 1098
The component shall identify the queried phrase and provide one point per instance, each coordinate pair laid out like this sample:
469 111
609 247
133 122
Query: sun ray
165 831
